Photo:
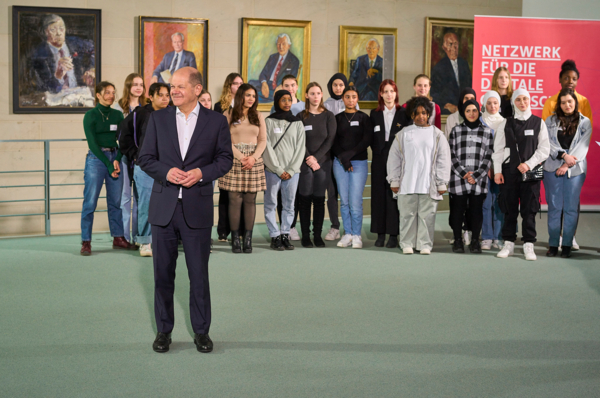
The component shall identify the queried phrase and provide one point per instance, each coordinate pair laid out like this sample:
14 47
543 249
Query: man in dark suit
277 67
186 147
450 76
174 60
62 62
367 74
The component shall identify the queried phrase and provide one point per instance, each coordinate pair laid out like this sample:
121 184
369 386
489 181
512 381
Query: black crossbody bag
280 138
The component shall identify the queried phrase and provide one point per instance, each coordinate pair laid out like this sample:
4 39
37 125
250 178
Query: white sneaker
356 242
497 244
333 234
451 241
507 250
346 241
294 234
467 237
574 246
407 250
486 244
146 250
425 251
529 253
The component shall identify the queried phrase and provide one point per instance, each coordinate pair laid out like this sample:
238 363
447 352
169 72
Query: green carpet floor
307 323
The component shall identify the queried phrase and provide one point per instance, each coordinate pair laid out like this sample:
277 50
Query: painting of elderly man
367 73
271 50
56 59
450 61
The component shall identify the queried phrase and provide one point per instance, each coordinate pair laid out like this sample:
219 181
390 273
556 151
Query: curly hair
418 101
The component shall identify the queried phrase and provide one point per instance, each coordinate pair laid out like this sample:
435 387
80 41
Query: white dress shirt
70 75
454 63
280 59
185 130
179 56
388 118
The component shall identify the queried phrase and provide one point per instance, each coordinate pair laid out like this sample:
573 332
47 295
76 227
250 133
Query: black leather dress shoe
162 342
392 242
565 252
380 242
203 343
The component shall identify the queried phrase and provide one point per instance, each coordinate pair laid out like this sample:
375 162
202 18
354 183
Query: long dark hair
306 112
238 107
100 88
381 103
568 123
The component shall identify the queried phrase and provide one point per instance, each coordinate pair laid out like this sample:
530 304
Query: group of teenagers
308 152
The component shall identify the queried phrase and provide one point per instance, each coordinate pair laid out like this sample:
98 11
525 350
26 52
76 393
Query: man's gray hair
49 20
375 40
178 34
196 78
289 41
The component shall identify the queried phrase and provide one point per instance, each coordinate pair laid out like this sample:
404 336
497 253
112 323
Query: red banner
533 50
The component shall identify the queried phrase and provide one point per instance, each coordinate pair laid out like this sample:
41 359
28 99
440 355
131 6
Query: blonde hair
124 101
423 76
509 89
226 94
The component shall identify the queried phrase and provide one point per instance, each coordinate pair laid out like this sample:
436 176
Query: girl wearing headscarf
471 152
418 171
452 121
564 171
350 166
491 233
283 157
520 144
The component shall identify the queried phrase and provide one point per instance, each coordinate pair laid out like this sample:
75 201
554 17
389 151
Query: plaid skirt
238 180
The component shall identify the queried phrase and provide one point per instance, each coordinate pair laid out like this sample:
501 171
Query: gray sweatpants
417 221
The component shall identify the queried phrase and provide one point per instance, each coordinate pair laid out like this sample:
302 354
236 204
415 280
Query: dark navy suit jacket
209 150
290 66
444 89
368 88
189 59
44 66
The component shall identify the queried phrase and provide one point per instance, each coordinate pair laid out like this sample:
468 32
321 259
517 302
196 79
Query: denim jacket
579 147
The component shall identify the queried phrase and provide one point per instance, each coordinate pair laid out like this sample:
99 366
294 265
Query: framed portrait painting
168 44
448 60
367 57
271 50
56 59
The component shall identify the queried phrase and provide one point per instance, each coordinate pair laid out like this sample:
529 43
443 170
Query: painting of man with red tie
273 49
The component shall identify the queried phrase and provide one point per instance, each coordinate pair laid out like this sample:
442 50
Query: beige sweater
245 133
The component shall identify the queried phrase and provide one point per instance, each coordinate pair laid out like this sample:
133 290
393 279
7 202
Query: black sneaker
475 246
285 241
458 246
276 244
552 251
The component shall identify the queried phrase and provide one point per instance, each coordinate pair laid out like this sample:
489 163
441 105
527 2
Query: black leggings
314 182
235 209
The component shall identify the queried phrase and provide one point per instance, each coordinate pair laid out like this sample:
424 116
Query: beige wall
119 58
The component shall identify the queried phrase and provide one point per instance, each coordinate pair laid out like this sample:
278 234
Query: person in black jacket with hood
132 136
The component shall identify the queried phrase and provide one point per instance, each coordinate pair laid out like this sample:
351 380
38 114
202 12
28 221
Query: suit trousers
417 220
196 246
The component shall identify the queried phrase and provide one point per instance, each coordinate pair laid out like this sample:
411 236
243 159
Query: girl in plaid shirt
471 153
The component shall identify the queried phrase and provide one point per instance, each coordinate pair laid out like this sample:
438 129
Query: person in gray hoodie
283 157
418 171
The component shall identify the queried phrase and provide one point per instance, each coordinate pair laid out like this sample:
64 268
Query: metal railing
47 172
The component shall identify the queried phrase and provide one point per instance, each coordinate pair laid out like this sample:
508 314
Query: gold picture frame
355 40
260 55
435 31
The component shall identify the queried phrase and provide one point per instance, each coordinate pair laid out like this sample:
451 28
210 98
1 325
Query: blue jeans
129 216
94 174
288 196
351 186
143 190
562 196
492 216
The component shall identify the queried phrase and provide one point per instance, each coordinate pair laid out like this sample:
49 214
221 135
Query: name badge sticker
377 128
277 130
528 132
476 139
113 127
307 128
354 123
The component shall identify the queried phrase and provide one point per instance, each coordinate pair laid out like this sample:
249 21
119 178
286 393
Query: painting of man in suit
278 65
368 71
452 73
56 62
173 60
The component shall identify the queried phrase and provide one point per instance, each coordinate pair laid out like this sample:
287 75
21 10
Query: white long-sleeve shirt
501 152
